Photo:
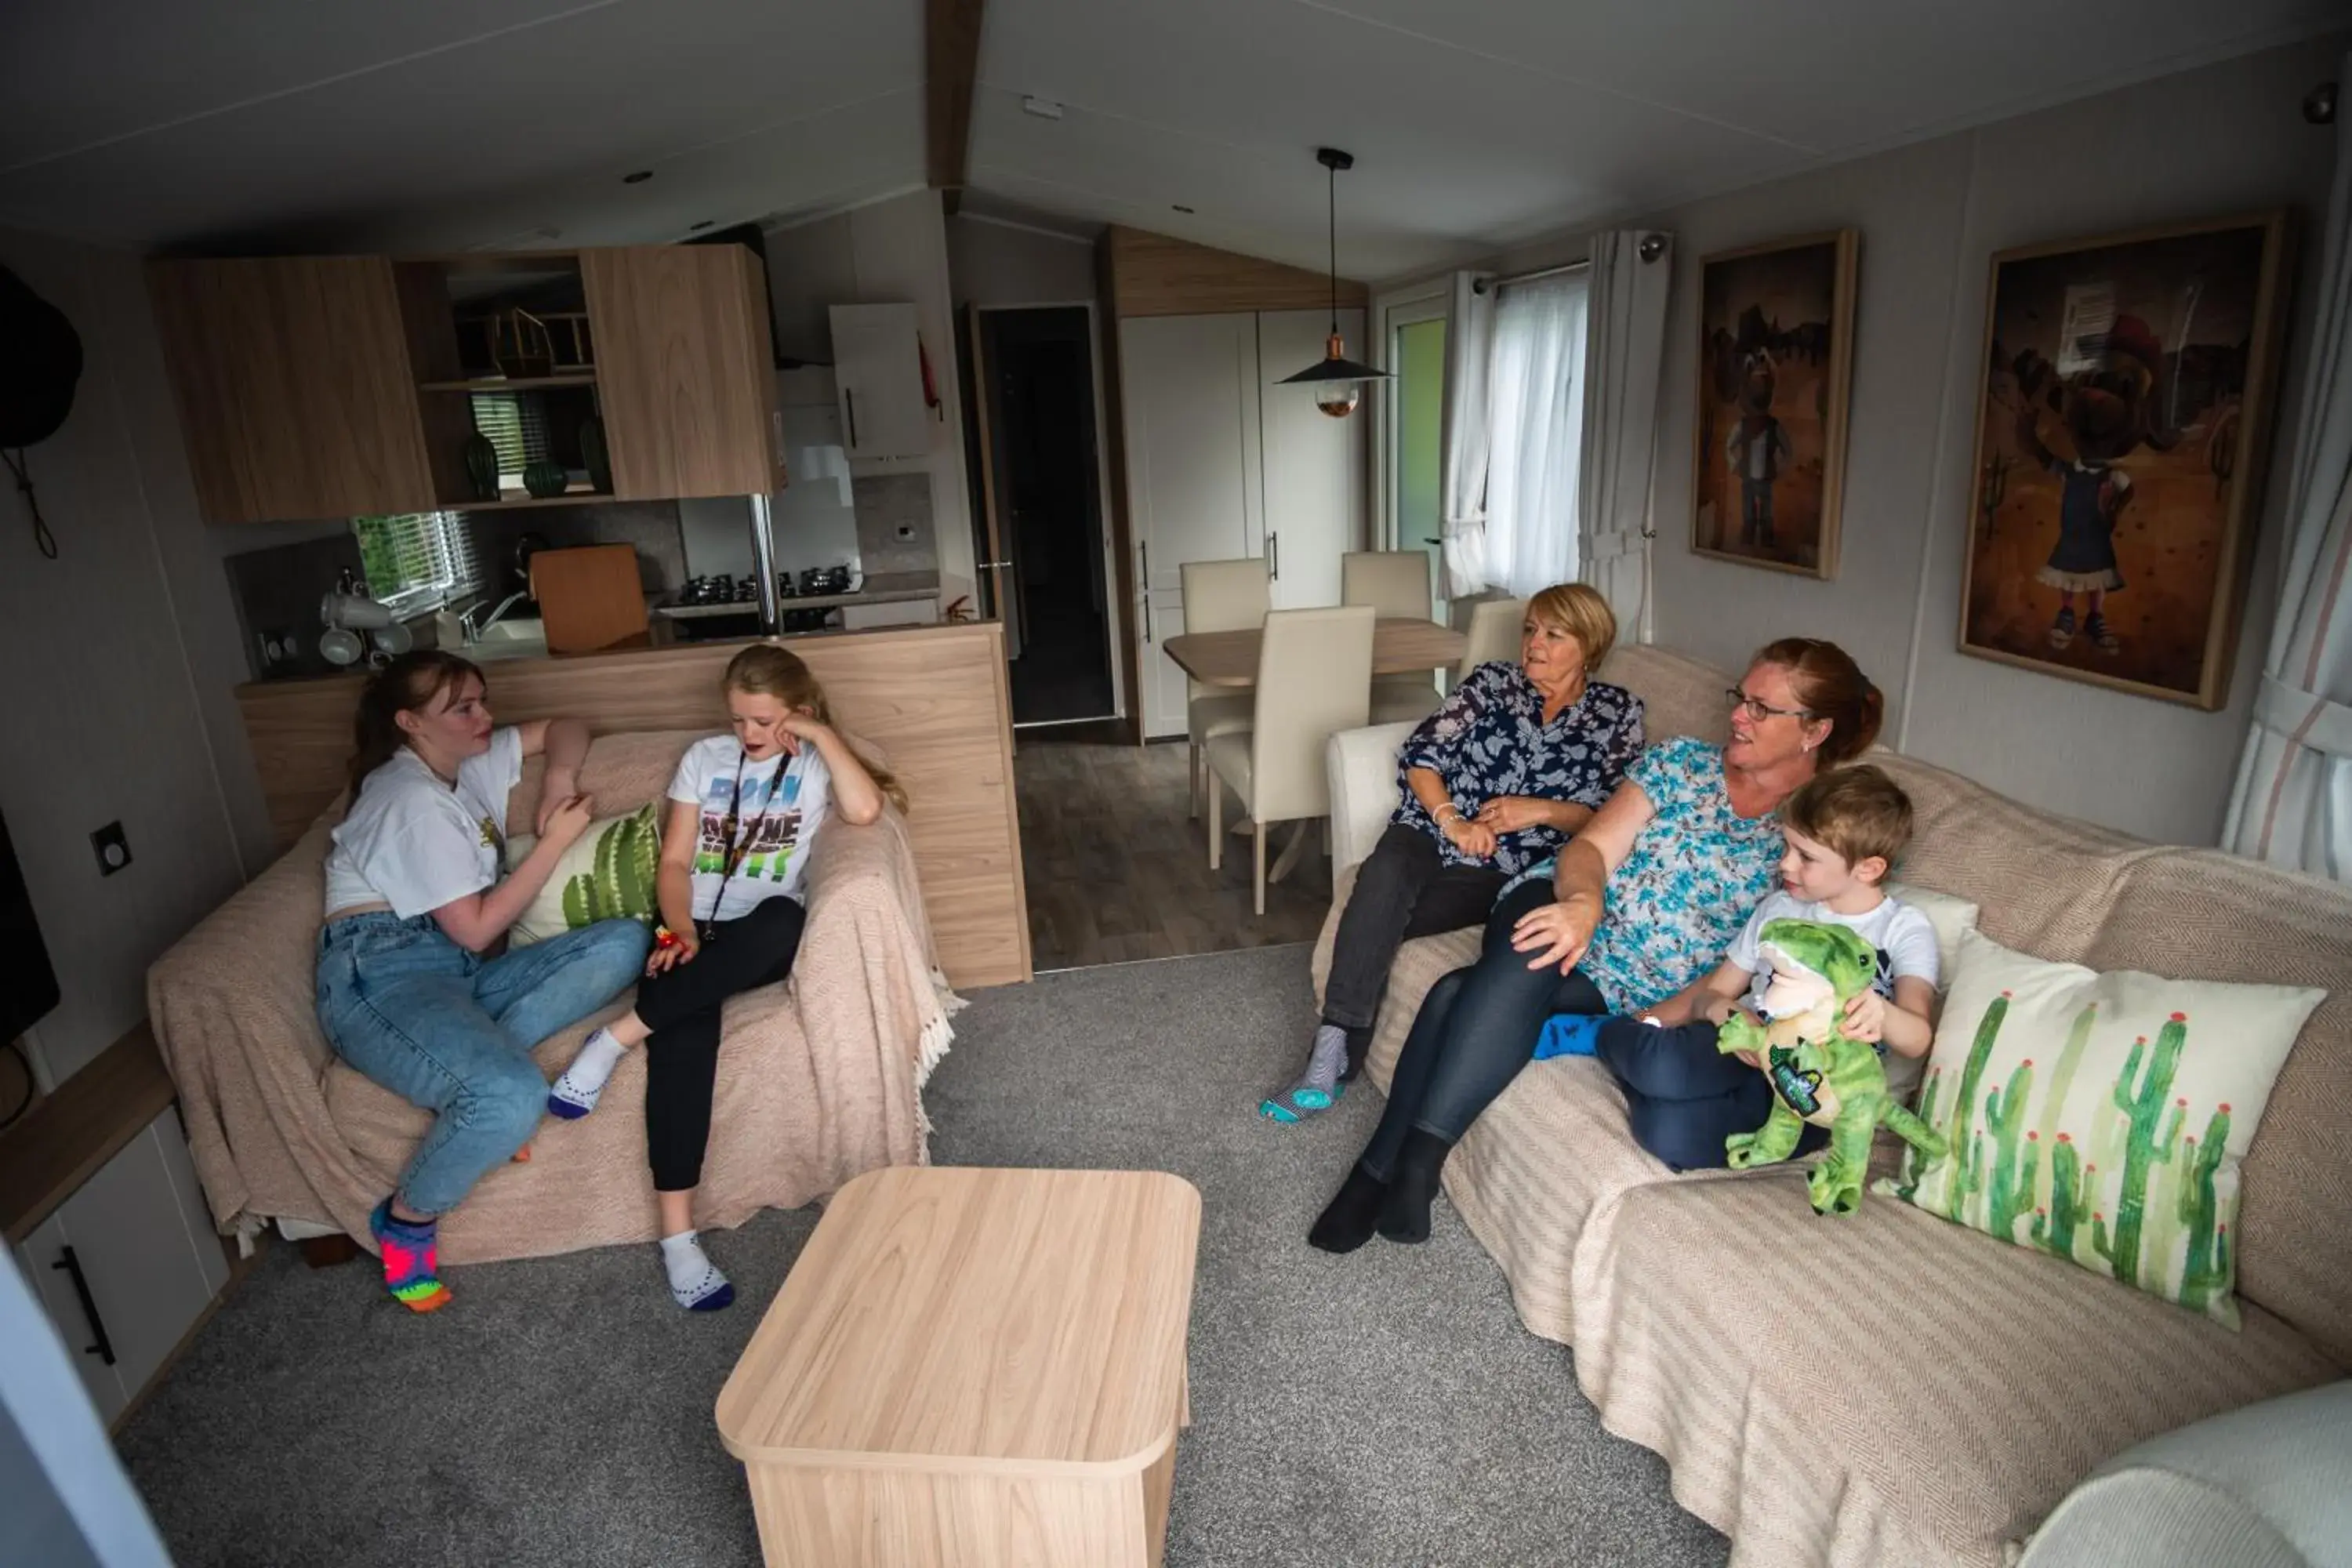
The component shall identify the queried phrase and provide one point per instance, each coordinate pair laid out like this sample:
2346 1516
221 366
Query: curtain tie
1611 545
2304 717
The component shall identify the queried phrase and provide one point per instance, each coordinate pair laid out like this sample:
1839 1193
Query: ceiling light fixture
1338 381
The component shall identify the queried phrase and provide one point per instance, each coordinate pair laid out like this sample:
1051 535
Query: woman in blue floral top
1636 906
1517 759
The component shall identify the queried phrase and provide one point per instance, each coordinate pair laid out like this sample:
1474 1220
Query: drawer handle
104 1349
849 400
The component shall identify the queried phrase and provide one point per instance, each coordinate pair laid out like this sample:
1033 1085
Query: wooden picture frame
2123 408
1773 357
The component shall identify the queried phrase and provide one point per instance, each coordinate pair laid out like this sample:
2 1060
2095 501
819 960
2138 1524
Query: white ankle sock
575 1092
694 1282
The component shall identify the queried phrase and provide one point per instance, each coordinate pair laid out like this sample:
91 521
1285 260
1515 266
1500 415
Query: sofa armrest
2263 1485
1360 765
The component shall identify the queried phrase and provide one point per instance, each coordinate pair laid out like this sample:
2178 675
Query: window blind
417 559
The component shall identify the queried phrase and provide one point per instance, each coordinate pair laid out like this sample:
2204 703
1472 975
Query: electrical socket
113 850
906 531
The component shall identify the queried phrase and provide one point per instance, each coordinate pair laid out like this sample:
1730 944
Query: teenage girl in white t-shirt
409 991
744 808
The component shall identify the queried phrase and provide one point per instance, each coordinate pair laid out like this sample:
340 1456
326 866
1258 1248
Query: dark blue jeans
1683 1096
1477 1028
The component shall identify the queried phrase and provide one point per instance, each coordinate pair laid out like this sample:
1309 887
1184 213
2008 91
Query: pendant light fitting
1338 381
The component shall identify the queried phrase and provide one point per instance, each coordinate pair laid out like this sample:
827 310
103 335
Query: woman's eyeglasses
1758 710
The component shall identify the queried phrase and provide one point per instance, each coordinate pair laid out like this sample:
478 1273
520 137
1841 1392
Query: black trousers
1683 1096
1476 1030
1403 889
681 1005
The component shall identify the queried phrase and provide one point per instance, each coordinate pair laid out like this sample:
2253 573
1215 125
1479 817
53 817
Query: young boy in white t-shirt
1842 832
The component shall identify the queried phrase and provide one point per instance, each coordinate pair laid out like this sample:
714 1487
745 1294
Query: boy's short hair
1856 812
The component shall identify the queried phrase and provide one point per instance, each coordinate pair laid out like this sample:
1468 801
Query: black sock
1411 1186
1359 1046
1346 1223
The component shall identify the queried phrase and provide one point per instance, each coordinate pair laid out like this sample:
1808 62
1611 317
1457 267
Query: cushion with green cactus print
2100 1117
608 871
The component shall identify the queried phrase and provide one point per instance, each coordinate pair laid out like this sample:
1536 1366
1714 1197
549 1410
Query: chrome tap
473 629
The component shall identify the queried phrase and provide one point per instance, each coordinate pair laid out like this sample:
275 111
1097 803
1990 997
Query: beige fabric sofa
1981 1382
820 1078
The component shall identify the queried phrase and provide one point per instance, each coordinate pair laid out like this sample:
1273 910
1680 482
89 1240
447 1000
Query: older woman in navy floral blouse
1496 780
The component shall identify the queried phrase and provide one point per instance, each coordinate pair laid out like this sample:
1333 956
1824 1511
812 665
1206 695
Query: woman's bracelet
1439 815
665 937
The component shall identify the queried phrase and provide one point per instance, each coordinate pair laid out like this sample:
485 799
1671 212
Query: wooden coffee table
974 1366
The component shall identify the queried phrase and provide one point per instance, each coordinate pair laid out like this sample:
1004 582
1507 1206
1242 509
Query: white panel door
43 1257
1189 387
1315 465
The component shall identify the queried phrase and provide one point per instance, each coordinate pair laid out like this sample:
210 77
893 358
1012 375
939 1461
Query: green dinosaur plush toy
1818 1074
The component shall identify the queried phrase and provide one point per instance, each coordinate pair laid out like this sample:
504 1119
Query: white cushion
1951 916
1229 759
2074 1101
608 871
1225 713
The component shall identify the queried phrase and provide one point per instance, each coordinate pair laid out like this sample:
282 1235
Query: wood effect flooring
1116 871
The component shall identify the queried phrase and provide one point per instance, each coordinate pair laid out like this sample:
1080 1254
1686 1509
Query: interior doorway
1041 521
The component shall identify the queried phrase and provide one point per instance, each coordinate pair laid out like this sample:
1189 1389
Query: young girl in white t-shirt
411 988
744 808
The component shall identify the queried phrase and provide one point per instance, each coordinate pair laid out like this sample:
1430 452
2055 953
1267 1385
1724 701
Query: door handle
991 566
1145 546
104 1349
849 402
1274 556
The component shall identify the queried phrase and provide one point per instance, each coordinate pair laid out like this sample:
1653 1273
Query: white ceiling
446 124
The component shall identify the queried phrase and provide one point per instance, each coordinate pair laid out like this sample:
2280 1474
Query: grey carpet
1382 1408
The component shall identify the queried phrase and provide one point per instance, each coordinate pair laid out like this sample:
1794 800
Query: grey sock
1327 1060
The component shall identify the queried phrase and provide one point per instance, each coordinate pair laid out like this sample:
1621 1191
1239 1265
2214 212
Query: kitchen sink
509 639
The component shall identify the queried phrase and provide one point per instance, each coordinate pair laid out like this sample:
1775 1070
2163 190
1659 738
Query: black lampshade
1335 368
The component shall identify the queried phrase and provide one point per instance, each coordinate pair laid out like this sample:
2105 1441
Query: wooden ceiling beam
952 72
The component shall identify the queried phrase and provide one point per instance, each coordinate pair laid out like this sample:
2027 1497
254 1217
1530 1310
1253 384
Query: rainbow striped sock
409 1256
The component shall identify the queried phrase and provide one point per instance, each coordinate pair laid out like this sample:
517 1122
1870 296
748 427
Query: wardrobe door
1189 389
1315 465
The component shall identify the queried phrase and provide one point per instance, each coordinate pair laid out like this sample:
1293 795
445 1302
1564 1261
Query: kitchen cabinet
1221 464
877 375
292 382
128 1264
684 369
335 387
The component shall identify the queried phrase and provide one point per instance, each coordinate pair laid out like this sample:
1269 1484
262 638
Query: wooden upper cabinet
684 369
294 388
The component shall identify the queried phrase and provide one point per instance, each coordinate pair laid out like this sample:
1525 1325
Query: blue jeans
451 1031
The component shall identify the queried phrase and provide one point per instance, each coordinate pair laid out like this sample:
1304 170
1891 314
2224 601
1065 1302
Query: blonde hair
767 670
1855 812
1578 609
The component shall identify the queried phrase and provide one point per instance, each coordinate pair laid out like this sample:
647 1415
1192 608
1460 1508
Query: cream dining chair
1395 583
1489 624
1314 677
1219 596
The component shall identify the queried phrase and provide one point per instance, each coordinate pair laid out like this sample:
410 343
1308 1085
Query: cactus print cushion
2100 1117
608 871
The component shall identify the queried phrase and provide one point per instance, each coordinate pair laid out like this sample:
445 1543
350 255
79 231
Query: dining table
1401 645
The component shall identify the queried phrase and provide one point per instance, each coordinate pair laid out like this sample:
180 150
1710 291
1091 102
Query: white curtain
1461 460
1534 408
2292 803
1625 345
